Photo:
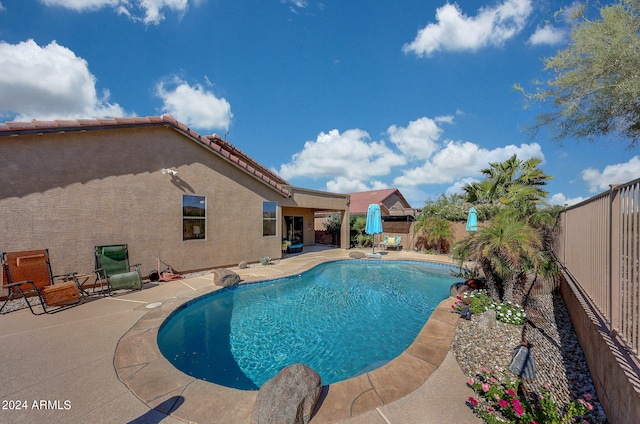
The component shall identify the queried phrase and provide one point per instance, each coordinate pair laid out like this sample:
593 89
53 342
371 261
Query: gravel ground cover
560 361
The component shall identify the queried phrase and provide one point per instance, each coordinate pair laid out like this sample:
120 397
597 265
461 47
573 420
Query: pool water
341 319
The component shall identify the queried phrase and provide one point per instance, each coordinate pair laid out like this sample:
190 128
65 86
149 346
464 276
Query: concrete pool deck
99 362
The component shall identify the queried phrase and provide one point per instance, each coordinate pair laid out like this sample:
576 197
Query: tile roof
216 144
360 201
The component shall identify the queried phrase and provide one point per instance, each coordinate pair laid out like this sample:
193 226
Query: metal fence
598 242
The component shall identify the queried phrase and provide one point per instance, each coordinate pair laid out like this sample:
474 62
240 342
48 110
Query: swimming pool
340 318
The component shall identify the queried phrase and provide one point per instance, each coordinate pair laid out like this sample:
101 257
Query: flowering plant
503 402
509 313
479 301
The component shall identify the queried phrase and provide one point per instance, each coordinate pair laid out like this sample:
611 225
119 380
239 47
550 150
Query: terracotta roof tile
215 143
360 201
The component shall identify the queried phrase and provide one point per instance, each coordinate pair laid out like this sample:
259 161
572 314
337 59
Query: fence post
614 259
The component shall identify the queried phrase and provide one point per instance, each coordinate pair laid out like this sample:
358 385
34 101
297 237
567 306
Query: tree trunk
514 288
492 287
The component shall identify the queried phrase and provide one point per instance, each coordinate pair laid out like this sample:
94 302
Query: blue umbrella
374 222
472 220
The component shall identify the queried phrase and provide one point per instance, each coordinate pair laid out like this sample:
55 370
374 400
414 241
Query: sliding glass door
294 229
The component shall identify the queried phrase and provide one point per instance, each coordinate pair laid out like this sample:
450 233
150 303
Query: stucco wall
615 375
70 192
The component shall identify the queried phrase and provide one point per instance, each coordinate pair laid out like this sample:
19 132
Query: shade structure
374 222
472 220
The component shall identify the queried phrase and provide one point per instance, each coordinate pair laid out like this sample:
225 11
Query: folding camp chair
112 265
164 273
27 274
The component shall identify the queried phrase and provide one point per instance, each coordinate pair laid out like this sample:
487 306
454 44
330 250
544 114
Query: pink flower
472 401
511 392
485 370
546 386
496 396
493 380
486 387
489 409
588 396
503 403
470 382
587 404
517 407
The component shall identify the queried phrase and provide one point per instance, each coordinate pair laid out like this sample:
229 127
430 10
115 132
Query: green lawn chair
112 264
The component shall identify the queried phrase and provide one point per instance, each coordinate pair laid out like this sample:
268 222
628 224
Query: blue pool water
340 318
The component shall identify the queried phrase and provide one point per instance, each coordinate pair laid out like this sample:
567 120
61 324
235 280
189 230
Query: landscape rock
487 319
243 265
457 289
289 397
357 255
225 278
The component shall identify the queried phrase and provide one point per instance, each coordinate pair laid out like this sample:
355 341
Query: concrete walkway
70 366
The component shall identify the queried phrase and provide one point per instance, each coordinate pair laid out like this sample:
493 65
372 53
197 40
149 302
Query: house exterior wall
70 192
394 199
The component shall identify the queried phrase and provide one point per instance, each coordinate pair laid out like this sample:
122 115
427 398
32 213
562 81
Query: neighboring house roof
214 143
360 201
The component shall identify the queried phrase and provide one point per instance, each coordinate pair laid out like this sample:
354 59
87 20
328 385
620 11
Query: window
269 218
194 217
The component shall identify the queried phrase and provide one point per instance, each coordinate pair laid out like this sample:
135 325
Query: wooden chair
27 274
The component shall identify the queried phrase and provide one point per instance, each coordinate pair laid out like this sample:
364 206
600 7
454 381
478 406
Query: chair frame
19 289
102 272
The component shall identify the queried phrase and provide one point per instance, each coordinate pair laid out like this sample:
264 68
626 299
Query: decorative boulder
225 278
457 289
487 319
243 265
289 397
357 255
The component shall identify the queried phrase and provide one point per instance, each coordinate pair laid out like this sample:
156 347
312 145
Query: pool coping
140 365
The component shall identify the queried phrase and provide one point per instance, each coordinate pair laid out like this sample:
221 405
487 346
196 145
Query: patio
65 367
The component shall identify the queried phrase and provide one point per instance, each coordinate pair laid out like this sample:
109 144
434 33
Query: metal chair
112 265
27 274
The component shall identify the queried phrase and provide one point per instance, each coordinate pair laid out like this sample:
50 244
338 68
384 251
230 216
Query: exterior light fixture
171 172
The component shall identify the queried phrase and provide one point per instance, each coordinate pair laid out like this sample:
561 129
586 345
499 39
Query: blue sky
341 96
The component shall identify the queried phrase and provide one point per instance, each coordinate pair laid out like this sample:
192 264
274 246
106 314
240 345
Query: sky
340 96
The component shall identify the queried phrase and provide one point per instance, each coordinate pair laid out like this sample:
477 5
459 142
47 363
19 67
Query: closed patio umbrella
472 220
374 222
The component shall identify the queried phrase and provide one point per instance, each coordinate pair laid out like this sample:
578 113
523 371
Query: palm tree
507 250
438 232
513 244
514 183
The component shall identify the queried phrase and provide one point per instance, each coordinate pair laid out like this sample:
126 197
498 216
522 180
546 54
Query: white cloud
419 138
49 82
547 35
456 31
457 186
297 3
346 185
194 105
462 159
147 11
2 7
619 173
350 155
560 199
